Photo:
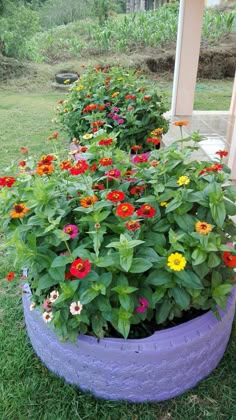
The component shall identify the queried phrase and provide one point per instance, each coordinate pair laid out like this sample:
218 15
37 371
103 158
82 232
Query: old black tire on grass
62 77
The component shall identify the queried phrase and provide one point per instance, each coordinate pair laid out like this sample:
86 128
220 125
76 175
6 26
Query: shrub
118 101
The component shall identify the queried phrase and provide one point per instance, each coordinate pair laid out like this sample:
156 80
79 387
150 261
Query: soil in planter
148 328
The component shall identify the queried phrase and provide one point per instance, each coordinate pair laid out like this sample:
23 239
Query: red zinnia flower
138 189
154 140
7 181
146 211
53 136
97 123
115 196
147 98
229 259
65 165
125 210
80 268
222 153
10 276
24 150
80 167
101 107
60 102
98 187
132 97
94 130
105 142
133 225
106 161
136 148
93 167
68 276
22 163
46 160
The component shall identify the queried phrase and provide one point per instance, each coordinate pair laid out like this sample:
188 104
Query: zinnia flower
80 167
87 136
163 203
125 210
105 142
47 316
222 153
65 165
180 123
47 305
71 230
140 158
143 305
115 196
19 210
133 225
10 276
229 259
98 187
153 140
113 173
53 136
132 97
44 170
80 268
24 150
203 227
88 201
183 180
97 123
7 181
154 163
115 94
32 306
138 189
176 262
76 308
54 296
135 148
146 211
46 160
157 132
106 161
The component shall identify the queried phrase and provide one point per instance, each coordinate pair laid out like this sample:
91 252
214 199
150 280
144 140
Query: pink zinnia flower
143 305
115 117
140 159
113 173
71 230
121 121
47 305
116 109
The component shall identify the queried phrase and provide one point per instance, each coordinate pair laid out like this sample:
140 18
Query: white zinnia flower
47 316
76 308
32 306
54 296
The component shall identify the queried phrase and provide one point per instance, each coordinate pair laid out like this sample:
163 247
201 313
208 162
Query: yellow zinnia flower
80 87
163 203
203 227
66 82
176 262
183 180
115 94
87 136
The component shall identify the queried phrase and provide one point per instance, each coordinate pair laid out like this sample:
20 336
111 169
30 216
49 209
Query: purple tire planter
151 369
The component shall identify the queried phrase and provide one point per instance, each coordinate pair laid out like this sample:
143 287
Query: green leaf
126 260
125 301
159 278
158 295
89 295
106 261
62 260
148 253
46 281
181 297
163 311
188 279
221 290
57 273
105 279
198 256
185 222
216 279
201 270
213 260
140 265
218 213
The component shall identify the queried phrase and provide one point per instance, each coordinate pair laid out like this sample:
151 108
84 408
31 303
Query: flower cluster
118 101
113 242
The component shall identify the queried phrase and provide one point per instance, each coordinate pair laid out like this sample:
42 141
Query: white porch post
231 135
187 56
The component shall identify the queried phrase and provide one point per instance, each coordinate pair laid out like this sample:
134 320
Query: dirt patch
215 62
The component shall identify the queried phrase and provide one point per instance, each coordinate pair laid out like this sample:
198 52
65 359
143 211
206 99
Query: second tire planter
151 369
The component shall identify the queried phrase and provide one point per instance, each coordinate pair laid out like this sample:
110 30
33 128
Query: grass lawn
27 390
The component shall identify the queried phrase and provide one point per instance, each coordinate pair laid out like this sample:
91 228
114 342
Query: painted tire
151 369
61 77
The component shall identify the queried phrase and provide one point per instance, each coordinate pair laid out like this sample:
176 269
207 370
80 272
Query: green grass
27 389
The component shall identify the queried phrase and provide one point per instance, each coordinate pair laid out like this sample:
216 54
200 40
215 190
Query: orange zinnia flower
180 123
125 210
88 201
106 161
45 169
203 227
19 210
157 132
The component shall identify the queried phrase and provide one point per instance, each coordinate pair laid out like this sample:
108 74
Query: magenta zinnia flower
143 305
71 230
47 305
